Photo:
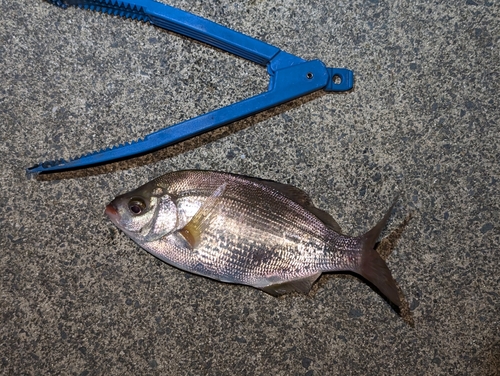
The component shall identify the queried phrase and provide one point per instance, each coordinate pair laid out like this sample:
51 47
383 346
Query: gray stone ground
78 297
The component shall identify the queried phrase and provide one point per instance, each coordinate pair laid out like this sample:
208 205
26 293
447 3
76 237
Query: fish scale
245 230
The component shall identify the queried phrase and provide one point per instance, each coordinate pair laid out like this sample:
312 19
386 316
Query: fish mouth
112 212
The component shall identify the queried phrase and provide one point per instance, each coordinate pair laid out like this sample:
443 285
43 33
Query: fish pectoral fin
299 285
194 229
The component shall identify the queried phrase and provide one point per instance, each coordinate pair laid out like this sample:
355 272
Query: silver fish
245 230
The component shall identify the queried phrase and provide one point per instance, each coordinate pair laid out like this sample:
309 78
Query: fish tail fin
373 267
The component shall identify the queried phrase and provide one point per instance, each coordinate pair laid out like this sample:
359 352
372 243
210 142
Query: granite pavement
78 297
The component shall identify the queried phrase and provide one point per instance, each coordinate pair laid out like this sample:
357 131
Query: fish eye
136 205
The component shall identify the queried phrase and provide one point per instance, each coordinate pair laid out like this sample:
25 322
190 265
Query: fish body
245 230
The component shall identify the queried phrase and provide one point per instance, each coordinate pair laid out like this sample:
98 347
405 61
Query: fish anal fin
193 230
302 285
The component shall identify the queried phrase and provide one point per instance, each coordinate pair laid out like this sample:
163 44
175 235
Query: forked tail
373 267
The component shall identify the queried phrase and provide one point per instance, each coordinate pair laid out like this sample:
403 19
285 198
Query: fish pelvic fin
373 267
193 230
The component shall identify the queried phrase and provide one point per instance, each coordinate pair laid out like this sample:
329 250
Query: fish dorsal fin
293 193
194 229
302 198
325 217
299 285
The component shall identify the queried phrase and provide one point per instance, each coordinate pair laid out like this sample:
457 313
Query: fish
246 230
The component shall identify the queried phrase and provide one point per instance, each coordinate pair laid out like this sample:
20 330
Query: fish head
145 214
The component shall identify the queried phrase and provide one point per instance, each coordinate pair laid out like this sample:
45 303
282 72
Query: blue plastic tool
290 77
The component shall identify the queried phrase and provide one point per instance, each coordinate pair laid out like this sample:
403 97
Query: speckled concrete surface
78 297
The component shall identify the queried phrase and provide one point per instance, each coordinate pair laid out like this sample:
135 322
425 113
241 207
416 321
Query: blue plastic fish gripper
290 77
